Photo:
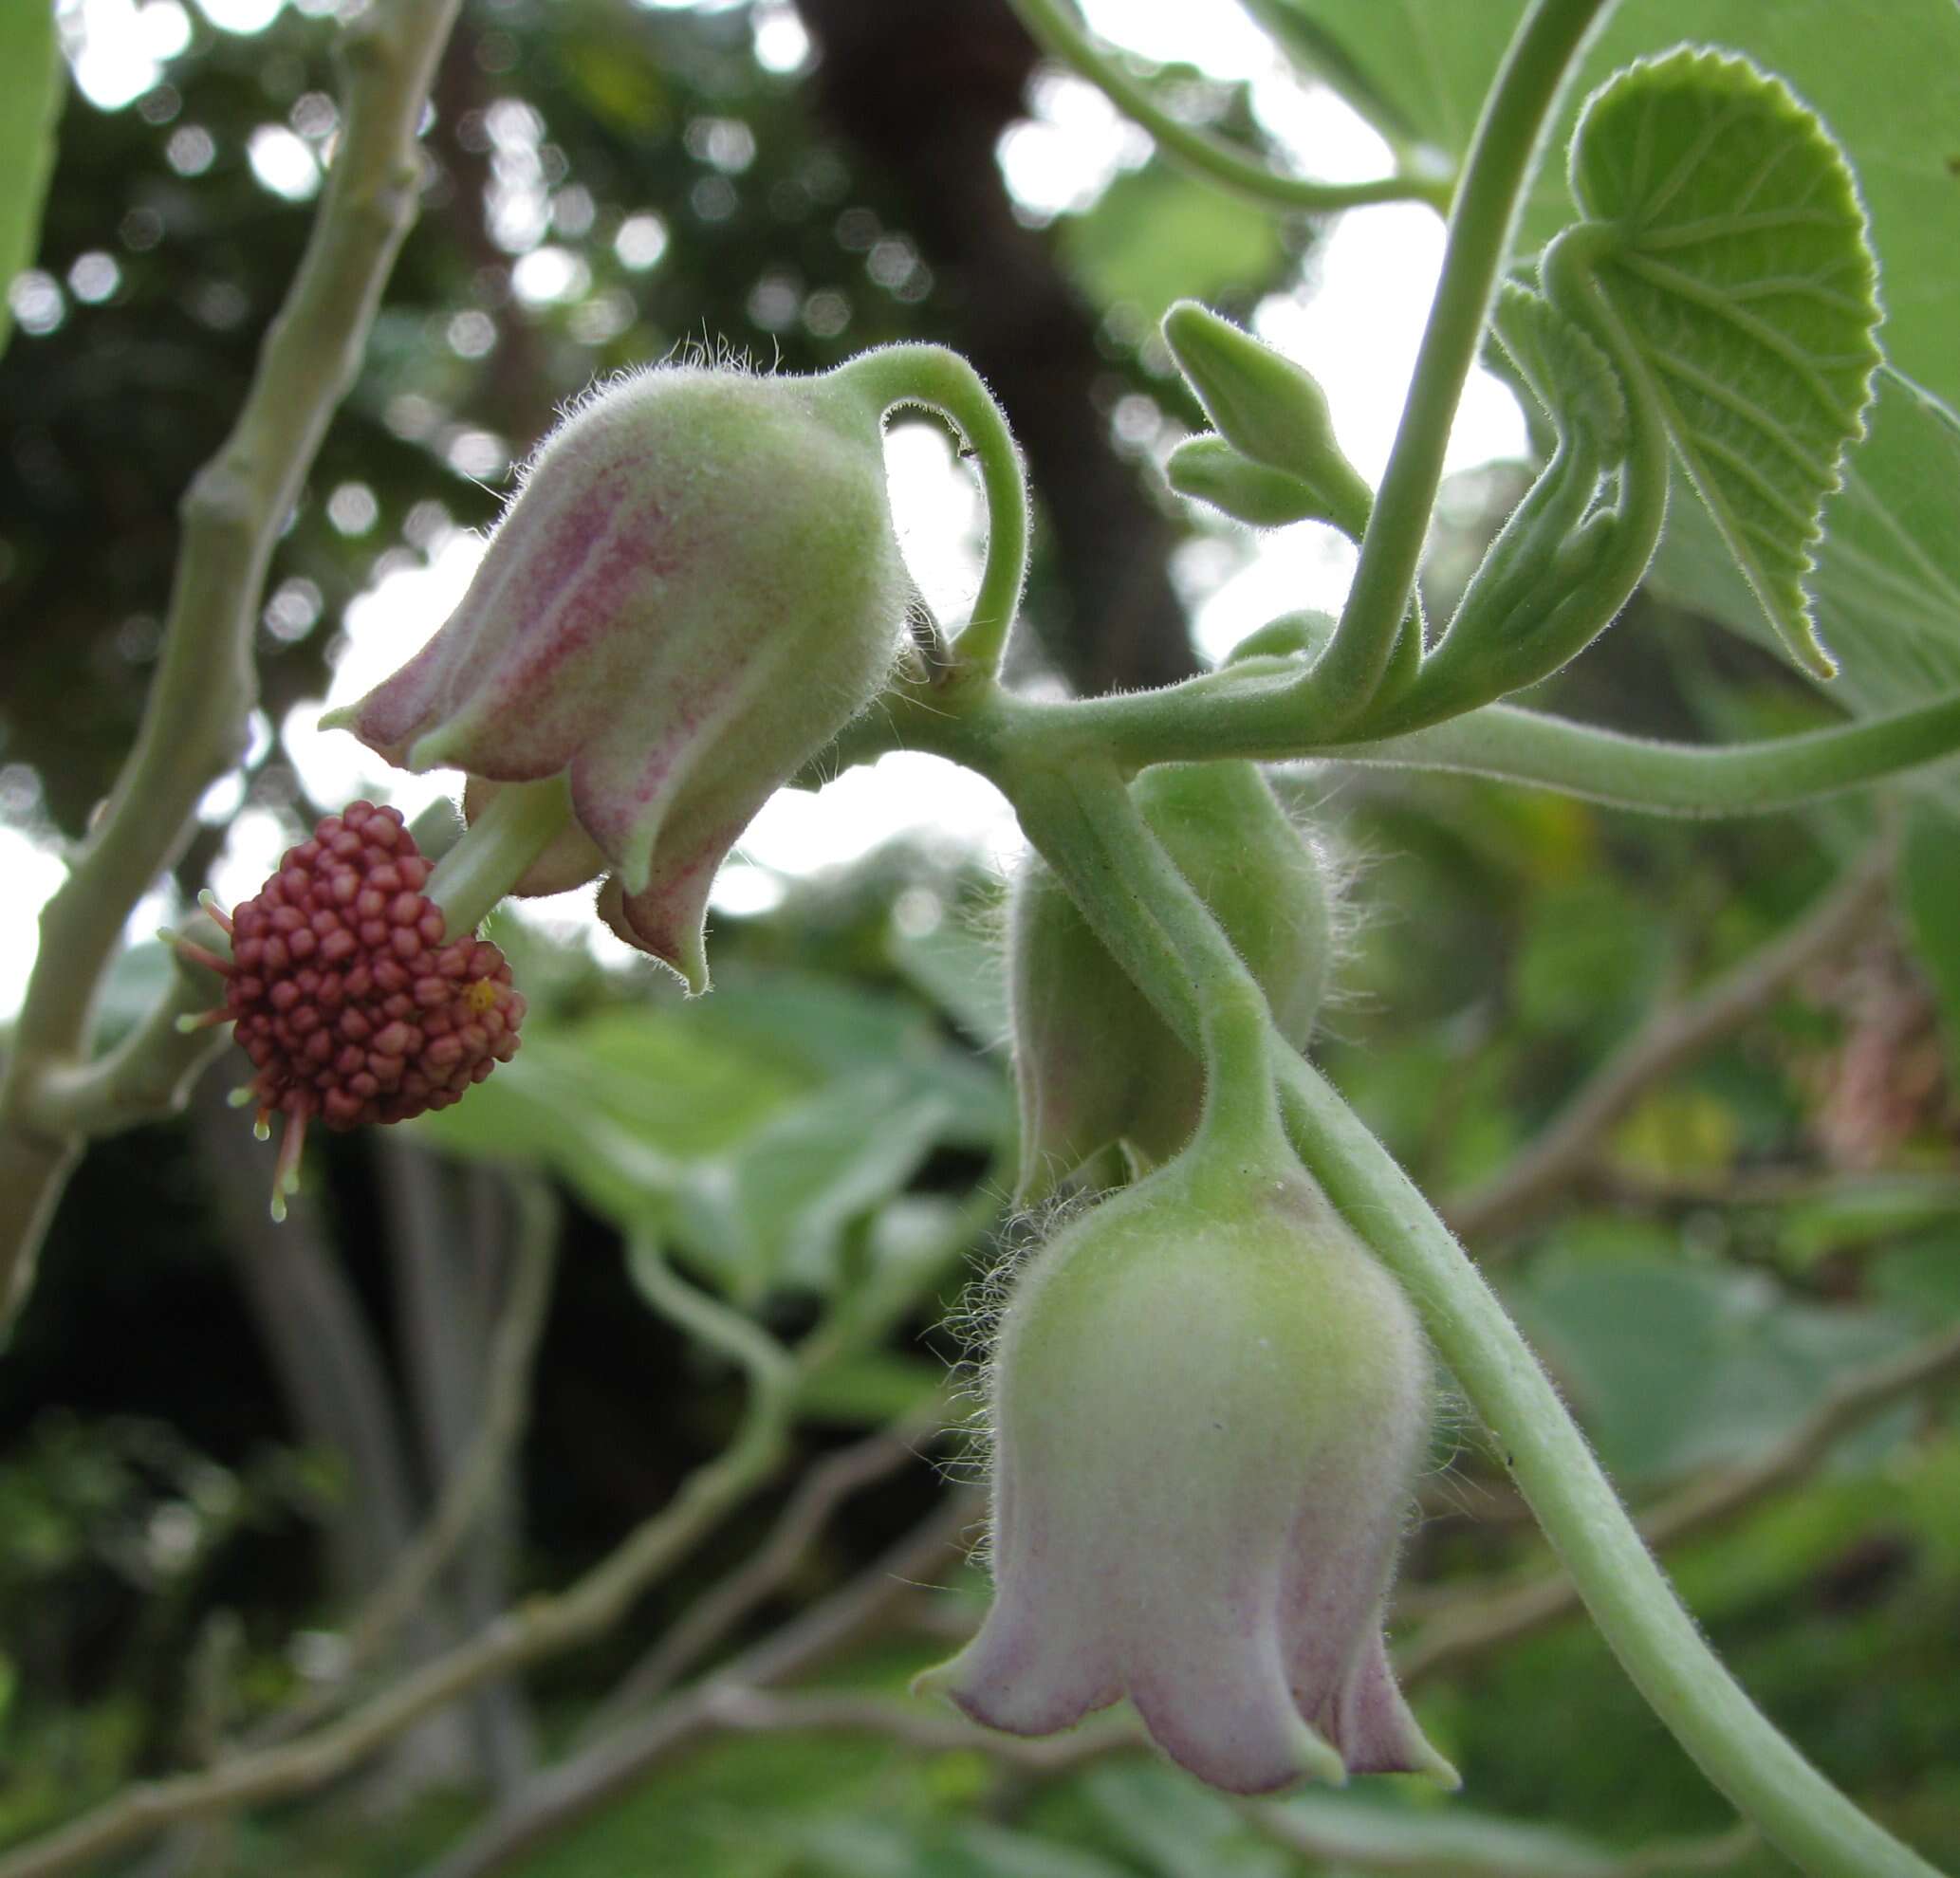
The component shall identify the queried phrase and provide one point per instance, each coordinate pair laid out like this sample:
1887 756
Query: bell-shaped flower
695 588
1094 1064
1208 1406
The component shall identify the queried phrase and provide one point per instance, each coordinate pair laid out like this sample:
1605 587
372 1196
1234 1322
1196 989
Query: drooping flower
1094 1064
345 993
1208 1402
696 586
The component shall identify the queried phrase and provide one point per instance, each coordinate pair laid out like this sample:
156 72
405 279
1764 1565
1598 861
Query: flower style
696 586
1208 1402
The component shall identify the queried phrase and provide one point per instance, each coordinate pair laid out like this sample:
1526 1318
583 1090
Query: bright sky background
1357 326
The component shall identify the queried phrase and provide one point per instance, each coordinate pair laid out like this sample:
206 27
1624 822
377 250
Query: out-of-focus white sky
1356 325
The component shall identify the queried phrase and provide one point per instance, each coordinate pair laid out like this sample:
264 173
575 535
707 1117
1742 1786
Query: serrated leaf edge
1772 88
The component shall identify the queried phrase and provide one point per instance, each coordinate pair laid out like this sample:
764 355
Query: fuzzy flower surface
696 587
1208 1404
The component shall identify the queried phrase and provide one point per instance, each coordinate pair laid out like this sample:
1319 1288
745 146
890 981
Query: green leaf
1887 586
1886 80
1562 370
1727 245
1676 1367
31 102
774 1211
1155 235
1415 70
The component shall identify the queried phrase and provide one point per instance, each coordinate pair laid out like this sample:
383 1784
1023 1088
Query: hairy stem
1501 153
1630 1599
1462 1631
933 379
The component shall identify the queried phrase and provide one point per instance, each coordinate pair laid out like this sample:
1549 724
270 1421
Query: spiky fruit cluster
345 993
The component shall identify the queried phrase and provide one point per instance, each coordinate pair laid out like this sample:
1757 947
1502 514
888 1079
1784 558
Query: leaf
1886 80
1887 586
32 86
1155 235
773 1212
1729 247
1416 71
1676 1367
1560 367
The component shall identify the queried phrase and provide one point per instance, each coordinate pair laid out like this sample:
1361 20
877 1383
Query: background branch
1675 1035
194 719
1456 1635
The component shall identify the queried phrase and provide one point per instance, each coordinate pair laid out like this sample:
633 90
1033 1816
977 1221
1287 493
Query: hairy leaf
1736 268
1887 585
1559 366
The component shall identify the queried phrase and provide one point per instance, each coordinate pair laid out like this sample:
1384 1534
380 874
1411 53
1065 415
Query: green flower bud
1268 409
1094 1064
1208 470
1208 1406
696 586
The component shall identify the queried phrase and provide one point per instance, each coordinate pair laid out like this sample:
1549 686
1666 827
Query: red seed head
345 996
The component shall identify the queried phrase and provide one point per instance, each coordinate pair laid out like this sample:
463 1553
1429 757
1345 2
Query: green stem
1511 744
1630 1599
1055 31
1158 929
492 857
1250 711
1501 157
940 381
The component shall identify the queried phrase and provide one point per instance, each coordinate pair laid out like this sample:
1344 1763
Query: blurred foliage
601 183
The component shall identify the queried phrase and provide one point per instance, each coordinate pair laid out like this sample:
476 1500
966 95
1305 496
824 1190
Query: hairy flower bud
1208 1406
1093 1062
696 586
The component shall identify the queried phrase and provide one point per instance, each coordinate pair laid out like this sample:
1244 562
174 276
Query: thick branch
194 724
1560 1152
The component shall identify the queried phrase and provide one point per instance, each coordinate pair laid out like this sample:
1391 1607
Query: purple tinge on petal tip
1373 1726
1237 1729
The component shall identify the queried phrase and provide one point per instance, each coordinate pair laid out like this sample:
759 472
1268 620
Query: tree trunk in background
450 1259
331 1374
924 91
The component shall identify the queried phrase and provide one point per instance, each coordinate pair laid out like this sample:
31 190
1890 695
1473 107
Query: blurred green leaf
1678 1367
1157 235
964 973
754 1129
1177 1827
1417 72
773 1210
32 86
